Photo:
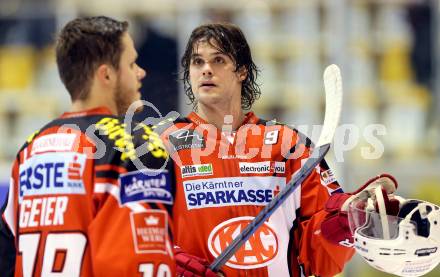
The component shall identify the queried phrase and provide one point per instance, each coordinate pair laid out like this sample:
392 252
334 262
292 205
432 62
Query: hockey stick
333 98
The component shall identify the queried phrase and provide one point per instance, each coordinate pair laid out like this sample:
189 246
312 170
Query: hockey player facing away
230 164
82 200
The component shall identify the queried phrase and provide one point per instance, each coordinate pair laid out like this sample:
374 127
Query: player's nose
142 73
207 70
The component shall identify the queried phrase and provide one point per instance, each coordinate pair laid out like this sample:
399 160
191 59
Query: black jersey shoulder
134 144
302 137
116 141
166 123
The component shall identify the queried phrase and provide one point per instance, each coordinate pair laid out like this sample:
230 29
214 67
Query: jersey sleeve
316 255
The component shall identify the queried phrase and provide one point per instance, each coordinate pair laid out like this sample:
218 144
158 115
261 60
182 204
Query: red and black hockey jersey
225 178
88 197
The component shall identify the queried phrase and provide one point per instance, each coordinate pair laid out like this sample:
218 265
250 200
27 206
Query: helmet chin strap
382 212
385 181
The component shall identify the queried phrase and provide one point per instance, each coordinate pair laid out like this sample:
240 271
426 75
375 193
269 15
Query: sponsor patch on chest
196 170
53 142
186 139
220 192
143 186
262 167
150 231
52 173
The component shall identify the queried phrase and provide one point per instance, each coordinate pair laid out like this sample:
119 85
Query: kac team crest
258 251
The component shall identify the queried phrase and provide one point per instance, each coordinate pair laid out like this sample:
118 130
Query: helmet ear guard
417 211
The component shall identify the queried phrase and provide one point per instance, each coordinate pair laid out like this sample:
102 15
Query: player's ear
105 74
242 73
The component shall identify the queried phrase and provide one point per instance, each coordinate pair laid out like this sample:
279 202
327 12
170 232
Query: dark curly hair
82 46
229 40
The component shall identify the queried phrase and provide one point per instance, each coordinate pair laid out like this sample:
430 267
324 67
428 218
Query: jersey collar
94 111
250 118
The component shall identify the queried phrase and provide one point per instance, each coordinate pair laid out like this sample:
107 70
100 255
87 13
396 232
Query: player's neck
94 100
216 115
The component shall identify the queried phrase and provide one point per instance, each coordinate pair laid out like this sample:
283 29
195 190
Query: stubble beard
122 100
118 97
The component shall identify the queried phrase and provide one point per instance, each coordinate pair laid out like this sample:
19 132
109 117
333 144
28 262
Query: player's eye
197 61
219 59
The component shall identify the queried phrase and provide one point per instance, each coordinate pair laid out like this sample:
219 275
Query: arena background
388 51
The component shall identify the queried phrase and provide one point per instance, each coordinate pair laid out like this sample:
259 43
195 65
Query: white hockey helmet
403 240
